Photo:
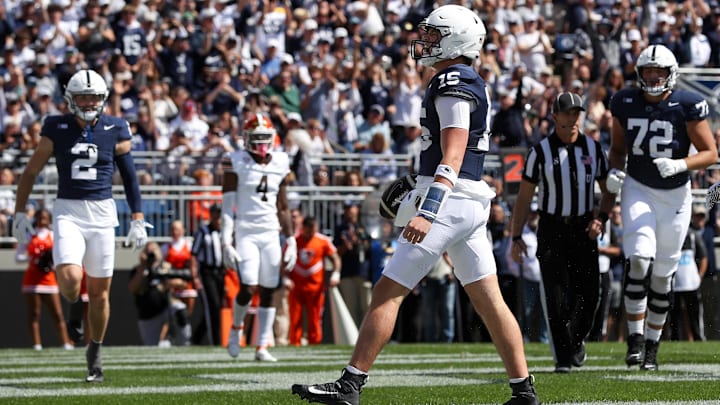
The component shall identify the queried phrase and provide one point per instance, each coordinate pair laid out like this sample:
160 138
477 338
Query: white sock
636 327
653 334
352 370
239 312
266 318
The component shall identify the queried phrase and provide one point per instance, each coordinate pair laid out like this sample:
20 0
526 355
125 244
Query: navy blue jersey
656 130
85 164
132 42
456 81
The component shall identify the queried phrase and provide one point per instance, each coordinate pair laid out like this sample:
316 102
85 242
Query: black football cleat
636 347
95 375
650 361
523 393
345 391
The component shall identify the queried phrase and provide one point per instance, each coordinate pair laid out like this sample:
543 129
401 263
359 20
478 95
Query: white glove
22 228
290 256
670 167
137 236
712 196
615 180
231 257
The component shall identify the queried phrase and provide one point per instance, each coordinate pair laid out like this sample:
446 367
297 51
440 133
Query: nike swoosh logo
672 104
316 391
108 127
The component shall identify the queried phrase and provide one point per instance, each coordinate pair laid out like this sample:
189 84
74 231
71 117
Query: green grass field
404 374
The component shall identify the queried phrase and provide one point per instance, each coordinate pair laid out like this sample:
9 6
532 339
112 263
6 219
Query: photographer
161 319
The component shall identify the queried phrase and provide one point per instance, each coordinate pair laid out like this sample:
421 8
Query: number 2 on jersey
82 167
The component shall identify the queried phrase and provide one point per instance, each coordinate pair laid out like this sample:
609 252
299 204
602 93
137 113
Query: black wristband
516 238
602 217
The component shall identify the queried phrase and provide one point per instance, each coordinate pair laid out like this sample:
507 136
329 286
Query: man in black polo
564 167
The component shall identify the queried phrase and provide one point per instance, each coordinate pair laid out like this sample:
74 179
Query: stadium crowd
333 77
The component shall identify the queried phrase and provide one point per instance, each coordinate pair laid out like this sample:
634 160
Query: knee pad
636 271
659 295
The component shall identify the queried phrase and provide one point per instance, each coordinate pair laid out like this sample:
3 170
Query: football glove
137 237
231 257
615 180
712 196
290 256
670 167
22 229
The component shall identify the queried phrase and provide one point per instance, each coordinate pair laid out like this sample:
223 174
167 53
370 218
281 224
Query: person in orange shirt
178 253
39 285
200 207
307 281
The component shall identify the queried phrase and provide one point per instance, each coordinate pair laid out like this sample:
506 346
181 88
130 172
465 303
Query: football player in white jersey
654 127
87 145
254 209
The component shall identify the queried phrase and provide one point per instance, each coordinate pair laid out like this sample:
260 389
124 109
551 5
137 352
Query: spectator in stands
39 285
533 44
408 94
374 90
17 111
178 60
24 54
190 124
224 91
509 125
629 56
178 254
698 44
56 34
307 282
378 165
288 94
130 38
320 143
202 200
375 123
95 35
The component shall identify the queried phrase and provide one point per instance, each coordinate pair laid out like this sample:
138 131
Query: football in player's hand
394 194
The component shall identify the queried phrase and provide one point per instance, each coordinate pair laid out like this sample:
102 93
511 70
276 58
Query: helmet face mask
86 93
660 58
259 135
448 32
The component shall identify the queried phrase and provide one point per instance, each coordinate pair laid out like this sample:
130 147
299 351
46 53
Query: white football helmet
86 83
448 32
259 134
657 56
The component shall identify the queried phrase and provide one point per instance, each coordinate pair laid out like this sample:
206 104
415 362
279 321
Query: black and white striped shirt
565 174
207 248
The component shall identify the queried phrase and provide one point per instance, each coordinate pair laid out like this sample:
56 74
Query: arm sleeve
130 183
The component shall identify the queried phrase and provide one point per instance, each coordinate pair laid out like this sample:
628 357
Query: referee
564 167
207 264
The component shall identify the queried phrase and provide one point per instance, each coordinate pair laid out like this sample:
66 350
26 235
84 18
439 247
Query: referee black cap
215 208
567 101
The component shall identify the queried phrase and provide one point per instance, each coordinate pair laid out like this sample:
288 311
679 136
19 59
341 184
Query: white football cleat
261 354
234 341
